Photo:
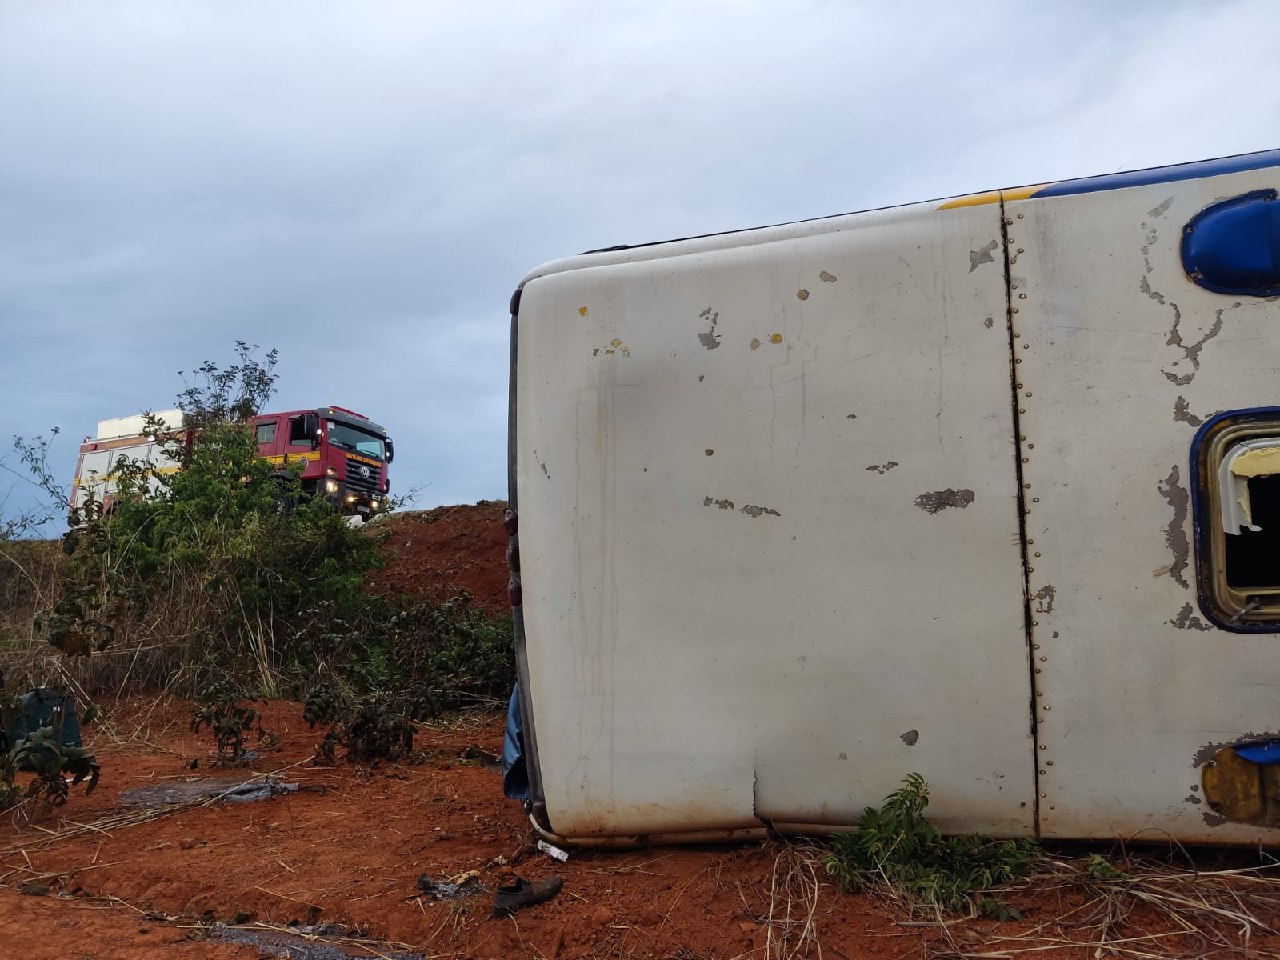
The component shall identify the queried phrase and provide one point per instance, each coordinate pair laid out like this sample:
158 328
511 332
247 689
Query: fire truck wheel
283 501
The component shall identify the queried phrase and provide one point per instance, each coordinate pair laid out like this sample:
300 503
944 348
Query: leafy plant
377 726
896 846
226 714
53 761
378 729
428 657
42 751
447 655
52 502
325 704
472 655
230 394
10 792
1100 868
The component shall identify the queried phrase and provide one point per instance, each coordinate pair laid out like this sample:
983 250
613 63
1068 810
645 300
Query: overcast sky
362 184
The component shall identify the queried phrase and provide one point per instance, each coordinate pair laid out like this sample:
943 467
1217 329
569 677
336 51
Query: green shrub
222 570
449 655
896 846
453 654
42 751
10 792
53 761
206 556
396 666
369 728
230 716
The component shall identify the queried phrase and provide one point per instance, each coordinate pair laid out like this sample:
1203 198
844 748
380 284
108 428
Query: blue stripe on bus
1180 171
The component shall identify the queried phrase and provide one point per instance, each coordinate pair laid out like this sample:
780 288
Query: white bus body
806 508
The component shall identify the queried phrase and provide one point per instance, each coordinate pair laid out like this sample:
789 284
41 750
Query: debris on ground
522 893
206 788
456 888
490 761
308 943
553 851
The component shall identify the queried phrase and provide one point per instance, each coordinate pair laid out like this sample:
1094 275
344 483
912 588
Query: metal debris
553 851
306 943
455 888
206 788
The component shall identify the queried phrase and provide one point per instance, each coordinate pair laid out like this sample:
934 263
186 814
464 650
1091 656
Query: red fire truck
344 455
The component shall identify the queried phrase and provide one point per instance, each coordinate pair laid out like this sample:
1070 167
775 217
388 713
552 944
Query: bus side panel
769 536
1123 358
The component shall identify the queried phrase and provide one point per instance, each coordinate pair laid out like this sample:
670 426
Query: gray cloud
362 184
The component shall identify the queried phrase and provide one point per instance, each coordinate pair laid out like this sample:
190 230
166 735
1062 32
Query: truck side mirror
391 450
311 424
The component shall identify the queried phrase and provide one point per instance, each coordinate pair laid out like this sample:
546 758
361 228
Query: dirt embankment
430 553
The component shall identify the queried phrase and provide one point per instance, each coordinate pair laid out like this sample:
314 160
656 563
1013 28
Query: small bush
325 704
896 846
450 655
433 657
10 792
377 726
53 761
227 715
43 752
1100 868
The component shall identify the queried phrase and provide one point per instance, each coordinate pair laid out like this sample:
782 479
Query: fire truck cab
345 455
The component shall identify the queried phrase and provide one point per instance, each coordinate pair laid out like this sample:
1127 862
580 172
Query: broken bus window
1236 473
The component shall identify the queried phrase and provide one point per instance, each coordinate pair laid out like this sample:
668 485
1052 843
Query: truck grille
356 479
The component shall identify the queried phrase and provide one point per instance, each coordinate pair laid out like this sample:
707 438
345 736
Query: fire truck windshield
351 438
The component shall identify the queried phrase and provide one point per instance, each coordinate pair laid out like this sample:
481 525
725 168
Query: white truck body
117 437
806 508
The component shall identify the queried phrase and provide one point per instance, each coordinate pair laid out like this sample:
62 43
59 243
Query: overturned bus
985 489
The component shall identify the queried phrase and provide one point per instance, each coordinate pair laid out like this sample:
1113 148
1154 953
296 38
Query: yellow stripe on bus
992 196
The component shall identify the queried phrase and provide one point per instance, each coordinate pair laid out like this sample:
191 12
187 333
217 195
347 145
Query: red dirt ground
108 881
347 850
430 553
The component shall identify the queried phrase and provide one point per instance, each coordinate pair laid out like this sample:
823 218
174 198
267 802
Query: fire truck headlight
330 471
373 504
330 486
351 498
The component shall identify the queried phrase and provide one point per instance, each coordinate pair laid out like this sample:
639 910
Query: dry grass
140 659
159 649
31 572
1143 909
1076 906
791 929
